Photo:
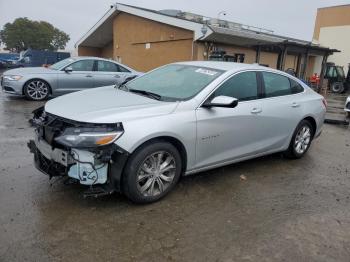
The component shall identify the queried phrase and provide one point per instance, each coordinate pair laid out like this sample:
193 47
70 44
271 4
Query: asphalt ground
285 210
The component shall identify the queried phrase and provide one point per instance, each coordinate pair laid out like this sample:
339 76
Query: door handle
295 105
88 75
117 76
256 110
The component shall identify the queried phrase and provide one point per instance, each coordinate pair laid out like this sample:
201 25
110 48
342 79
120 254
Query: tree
24 33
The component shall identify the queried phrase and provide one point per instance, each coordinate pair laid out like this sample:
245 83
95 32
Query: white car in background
347 107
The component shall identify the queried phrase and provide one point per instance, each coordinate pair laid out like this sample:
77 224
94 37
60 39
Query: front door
224 134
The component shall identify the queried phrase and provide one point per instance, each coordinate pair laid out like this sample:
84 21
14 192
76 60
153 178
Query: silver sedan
177 120
66 76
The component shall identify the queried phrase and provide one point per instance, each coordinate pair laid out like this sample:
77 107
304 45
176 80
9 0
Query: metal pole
323 69
306 61
257 56
284 56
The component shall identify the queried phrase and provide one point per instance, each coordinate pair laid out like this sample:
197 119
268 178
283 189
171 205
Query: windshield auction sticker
206 71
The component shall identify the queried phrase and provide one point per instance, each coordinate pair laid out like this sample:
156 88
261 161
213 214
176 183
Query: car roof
226 66
92 57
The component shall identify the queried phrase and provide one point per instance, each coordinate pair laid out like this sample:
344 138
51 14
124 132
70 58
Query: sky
293 18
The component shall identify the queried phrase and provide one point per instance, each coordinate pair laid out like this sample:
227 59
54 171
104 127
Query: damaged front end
84 152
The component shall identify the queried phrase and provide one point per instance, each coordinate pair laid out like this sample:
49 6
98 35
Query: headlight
12 77
88 137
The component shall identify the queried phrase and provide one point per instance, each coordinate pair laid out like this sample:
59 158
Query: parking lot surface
285 210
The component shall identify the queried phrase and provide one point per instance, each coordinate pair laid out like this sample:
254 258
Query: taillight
324 101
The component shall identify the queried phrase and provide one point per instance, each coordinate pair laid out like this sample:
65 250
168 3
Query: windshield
175 82
62 63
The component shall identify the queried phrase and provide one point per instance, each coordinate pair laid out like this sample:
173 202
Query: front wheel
151 172
301 140
36 90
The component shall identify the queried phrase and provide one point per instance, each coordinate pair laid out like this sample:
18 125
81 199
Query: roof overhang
102 32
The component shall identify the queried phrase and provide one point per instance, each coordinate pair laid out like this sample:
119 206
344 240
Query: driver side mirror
222 101
68 69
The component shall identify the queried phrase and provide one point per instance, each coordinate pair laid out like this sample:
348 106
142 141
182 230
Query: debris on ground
243 177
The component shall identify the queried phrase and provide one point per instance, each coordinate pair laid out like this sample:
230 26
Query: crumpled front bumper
88 168
81 165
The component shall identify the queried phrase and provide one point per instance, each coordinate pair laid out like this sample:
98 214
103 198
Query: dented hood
107 105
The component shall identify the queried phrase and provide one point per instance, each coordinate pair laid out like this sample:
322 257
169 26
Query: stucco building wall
145 44
332 28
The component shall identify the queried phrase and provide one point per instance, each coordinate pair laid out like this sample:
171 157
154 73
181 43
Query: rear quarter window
296 87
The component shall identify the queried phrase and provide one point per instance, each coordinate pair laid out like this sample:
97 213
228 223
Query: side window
276 85
123 69
83 65
296 87
105 66
243 86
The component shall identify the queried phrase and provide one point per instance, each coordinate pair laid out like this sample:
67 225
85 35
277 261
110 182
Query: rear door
79 79
281 109
108 73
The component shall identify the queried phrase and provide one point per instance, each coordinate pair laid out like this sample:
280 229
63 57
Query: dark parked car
33 58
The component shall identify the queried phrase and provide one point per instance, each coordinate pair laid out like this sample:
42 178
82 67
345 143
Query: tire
300 142
337 87
143 181
37 90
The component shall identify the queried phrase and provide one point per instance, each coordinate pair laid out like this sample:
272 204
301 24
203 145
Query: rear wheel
152 172
301 140
37 90
337 87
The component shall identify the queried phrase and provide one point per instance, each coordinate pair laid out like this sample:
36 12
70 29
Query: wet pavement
284 211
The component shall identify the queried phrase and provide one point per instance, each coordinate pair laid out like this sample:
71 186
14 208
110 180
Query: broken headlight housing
89 137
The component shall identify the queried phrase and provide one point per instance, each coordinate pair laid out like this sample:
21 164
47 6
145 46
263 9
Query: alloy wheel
37 90
156 173
302 140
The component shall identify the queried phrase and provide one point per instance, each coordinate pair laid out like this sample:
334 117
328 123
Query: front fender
181 126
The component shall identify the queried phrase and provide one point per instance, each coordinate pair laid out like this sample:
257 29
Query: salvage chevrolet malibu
138 138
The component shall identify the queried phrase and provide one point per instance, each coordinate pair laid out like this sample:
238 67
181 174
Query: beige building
145 39
332 28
